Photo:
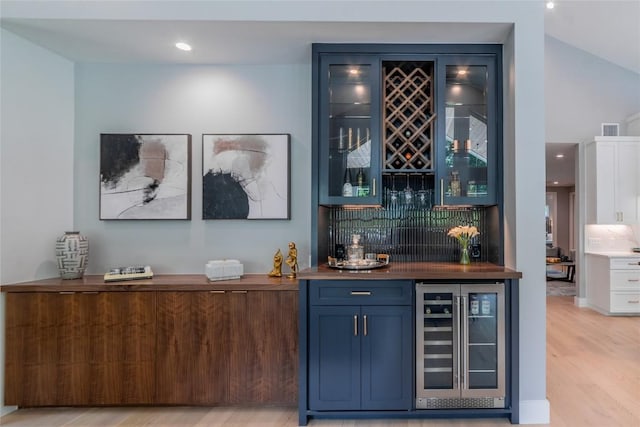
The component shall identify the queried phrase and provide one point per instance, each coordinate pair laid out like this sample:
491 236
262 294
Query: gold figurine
277 265
292 260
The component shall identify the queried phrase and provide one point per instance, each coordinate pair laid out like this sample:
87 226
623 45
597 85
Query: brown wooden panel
122 342
31 350
191 355
73 335
72 349
264 347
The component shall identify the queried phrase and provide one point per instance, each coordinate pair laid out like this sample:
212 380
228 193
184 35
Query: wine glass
408 193
393 194
422 193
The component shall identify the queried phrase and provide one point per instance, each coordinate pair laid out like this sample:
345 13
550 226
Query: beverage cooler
460 346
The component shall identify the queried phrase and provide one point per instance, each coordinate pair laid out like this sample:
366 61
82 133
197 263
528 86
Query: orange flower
464 234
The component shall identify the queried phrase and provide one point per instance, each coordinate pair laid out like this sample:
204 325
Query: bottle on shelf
455 184
475 305
347 188
472 190
360 178
485 306
341 146
350 139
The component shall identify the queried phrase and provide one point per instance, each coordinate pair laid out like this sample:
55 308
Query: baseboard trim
4 410
580 302
535 412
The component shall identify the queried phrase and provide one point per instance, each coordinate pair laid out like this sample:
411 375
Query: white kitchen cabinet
613 180
613 284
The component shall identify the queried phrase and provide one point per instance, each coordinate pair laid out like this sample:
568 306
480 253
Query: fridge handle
456 318
465 342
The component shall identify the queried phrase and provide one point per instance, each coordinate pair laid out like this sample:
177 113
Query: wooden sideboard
175 339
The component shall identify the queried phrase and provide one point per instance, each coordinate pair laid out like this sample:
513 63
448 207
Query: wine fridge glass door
483 346
437 344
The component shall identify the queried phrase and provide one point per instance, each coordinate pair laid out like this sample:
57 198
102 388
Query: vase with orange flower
464 234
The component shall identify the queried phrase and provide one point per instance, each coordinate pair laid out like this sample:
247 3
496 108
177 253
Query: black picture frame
246 176
145 176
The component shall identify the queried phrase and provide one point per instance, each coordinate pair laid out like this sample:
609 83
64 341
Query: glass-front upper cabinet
468 167
348 134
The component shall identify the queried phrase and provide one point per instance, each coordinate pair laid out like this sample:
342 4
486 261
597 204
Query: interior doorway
562 235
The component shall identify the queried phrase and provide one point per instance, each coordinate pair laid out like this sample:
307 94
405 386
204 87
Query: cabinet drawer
625 302
356 292
625 281
630 263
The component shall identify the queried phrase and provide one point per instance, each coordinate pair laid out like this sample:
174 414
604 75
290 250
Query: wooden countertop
253 282
160 282
416 270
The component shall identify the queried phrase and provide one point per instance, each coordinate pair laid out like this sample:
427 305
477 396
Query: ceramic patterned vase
72 254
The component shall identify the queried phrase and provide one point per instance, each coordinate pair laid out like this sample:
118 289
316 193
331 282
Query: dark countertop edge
160 282
417 271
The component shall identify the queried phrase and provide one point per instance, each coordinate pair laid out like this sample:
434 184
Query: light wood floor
593 379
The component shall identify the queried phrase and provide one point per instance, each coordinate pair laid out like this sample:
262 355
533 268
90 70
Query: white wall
36 163
585 91
195 100
524 201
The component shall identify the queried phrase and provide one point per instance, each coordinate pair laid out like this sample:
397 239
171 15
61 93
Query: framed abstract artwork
145 176
245 176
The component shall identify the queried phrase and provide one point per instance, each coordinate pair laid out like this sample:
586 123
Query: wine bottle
360 178
485 306
455 184
347 188
475 305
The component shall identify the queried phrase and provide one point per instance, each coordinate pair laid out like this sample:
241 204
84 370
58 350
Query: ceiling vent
610 129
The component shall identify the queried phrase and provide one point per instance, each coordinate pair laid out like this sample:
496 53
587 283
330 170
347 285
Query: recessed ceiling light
555 182
183 46
462 72
560 156
550 5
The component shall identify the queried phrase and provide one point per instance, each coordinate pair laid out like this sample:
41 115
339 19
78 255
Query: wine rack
409 117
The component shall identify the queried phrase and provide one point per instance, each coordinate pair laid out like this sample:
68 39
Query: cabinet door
468 166
80 348
627 184
386 359
192 348
47 361
613 181
334 358
122 342
349 130
263 347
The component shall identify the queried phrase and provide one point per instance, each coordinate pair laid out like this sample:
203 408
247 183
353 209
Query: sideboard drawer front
360 292
625 302
630 263
625 281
